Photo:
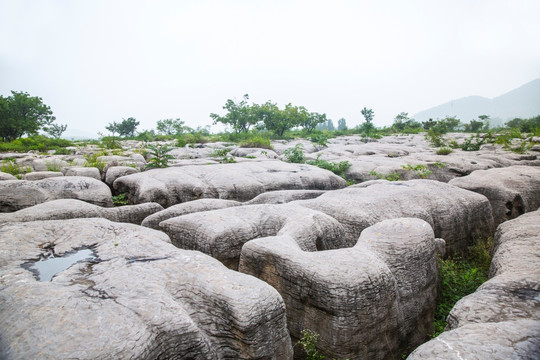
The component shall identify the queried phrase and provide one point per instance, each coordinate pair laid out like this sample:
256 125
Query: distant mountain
523 102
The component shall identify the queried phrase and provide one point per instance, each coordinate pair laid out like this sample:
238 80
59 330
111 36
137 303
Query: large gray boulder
458 216
222 233
134 296
366 302
20 194
285 196
501 319
152 221
240 181
6 176
91 172
72 209
40 175
114 172
512 191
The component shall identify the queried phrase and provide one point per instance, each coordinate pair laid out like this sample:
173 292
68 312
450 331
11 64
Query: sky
95 62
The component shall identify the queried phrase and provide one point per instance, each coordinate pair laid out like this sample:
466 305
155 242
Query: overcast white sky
95 62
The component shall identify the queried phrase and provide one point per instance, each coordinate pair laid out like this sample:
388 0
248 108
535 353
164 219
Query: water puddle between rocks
46 267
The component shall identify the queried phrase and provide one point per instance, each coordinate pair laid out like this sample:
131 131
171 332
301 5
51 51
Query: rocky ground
231 252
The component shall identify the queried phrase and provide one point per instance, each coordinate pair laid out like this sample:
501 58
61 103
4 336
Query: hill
523 102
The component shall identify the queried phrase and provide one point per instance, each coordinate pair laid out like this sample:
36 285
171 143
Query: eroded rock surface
241 181
501 319
73 209
458 216
152 221
365 302
285 196
222 233
512 191
139 298
20 194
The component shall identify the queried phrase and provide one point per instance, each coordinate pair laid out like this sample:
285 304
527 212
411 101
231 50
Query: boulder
458 216
115 172
512 191
240 181
152 221
20 194
222 233
254 152
285 196
40 175
91 172
493 341
501 319
131 295
365 302
73 209
6 176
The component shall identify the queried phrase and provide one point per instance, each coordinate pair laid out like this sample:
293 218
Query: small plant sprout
159 156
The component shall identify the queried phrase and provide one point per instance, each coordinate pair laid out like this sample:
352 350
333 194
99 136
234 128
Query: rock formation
136 296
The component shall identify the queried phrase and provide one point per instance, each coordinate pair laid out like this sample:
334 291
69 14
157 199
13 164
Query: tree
273 118
240 116
170 126
55 130
312 121
330 125
127 127
113 128
22 114
368 114
342 124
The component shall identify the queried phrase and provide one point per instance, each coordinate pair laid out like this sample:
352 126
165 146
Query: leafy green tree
159 156
22 114
400 120
170 126
240 115
128 127
368 114
342 124
113 128
330 125
274 119
55 130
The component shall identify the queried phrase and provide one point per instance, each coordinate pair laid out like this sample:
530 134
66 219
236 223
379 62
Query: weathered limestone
501 319
512 191
222 233
365 302
73 209
254 152
140 298
20 194
458 216
114 172
40 175
6 176
285 196
241 181
152 221
91 172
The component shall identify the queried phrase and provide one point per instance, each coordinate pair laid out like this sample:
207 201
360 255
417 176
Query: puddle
47 267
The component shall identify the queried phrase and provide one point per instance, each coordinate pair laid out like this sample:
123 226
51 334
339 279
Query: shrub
420 169
37 142
11 167
444 151
309 345
337 168
120 200
295 154
473 143
459 277
256 142
92 161
390 177
160 156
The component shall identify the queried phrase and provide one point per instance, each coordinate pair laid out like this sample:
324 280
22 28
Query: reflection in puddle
46 268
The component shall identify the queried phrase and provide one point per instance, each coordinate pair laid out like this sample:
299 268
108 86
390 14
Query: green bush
120 200
459 277
309 344
390 177
10 166
37 142
160 156
473 143
93 161
337 168
256 142
444 151
295 154
420 169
